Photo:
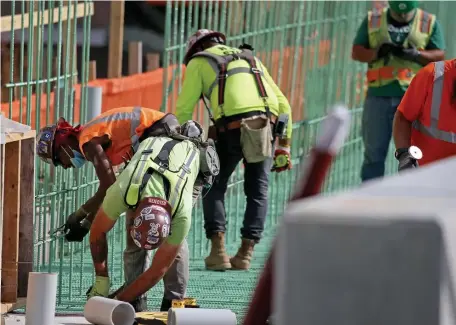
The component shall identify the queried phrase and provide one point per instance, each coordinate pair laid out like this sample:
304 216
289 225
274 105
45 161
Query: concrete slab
384 253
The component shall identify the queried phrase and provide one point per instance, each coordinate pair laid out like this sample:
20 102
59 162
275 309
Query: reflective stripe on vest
135 121
437 93
133 194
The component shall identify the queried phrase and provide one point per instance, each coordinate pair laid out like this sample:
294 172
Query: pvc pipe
104 311
199 316
41 298
94 102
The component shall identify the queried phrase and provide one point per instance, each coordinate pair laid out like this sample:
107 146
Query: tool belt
234 122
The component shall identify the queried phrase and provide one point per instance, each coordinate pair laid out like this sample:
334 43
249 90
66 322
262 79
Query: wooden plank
13 137
46 18
135 58
153 61
8 307
92 70
116 37
26 214
10 239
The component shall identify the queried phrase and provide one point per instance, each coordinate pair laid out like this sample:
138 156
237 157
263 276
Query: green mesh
306 46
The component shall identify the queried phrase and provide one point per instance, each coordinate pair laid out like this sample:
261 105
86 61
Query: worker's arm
106 217
361 50
411 106
166 253
284 106
192 88
102 224
435 50
94 152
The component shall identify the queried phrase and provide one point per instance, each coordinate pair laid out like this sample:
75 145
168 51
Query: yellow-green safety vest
157 161
381 74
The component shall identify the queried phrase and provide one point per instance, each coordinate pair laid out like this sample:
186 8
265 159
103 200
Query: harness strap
220 66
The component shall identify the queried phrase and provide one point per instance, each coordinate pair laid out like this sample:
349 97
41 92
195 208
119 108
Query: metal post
94 101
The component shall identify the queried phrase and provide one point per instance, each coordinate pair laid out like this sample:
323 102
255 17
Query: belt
237 124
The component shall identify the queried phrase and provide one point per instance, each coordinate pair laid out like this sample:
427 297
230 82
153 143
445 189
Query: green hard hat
403 7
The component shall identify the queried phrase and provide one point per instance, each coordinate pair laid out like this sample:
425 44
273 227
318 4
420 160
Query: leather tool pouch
256 138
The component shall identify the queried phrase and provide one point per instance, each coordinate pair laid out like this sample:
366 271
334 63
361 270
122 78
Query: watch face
415 152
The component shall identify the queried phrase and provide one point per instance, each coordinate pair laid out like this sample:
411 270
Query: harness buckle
162 167
224 76
255 71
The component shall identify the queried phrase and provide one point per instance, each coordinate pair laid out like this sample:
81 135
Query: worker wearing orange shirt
426 116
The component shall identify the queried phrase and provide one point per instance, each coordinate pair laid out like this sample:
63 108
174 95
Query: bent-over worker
157 190
106 141
249 112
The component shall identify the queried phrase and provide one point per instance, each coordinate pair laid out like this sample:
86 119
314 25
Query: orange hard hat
198 37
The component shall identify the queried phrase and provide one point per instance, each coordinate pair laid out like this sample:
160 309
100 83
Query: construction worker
250 111
424 118
108 140
395 42
157 190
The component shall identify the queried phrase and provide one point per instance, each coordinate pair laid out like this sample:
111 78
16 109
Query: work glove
410 54
387 48
406 161
282 159
76 226
100 288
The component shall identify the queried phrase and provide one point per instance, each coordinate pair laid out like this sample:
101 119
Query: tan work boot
241 261
218 260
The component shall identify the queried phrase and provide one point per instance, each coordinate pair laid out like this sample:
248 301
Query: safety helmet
192 129
198 37
403 7
45 144
151 222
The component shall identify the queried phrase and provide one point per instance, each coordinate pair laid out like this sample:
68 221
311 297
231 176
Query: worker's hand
100 288
406 161
282 159
409 54
76 226
387 48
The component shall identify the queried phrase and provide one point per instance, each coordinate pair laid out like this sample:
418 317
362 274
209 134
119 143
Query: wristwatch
413 151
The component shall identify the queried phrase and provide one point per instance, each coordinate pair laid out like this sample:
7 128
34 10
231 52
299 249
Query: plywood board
9 23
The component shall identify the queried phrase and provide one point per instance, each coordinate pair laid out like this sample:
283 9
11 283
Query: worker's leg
176 279
376 128
230 153
136 261
256 180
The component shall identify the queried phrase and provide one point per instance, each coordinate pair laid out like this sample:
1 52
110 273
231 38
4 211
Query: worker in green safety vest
248 112
395 42
157 190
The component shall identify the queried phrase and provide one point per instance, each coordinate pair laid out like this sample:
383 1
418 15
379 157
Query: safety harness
150 163
147 165
220 65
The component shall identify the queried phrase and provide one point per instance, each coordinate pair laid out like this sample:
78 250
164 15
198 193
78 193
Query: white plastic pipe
104 311
41 298
199 316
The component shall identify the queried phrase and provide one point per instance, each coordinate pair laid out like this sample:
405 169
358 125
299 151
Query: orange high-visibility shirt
431 94
123 126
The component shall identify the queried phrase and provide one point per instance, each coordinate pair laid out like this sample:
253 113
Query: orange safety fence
146 89
143 89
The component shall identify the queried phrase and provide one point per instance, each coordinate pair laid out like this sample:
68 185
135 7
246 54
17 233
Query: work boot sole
218 267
